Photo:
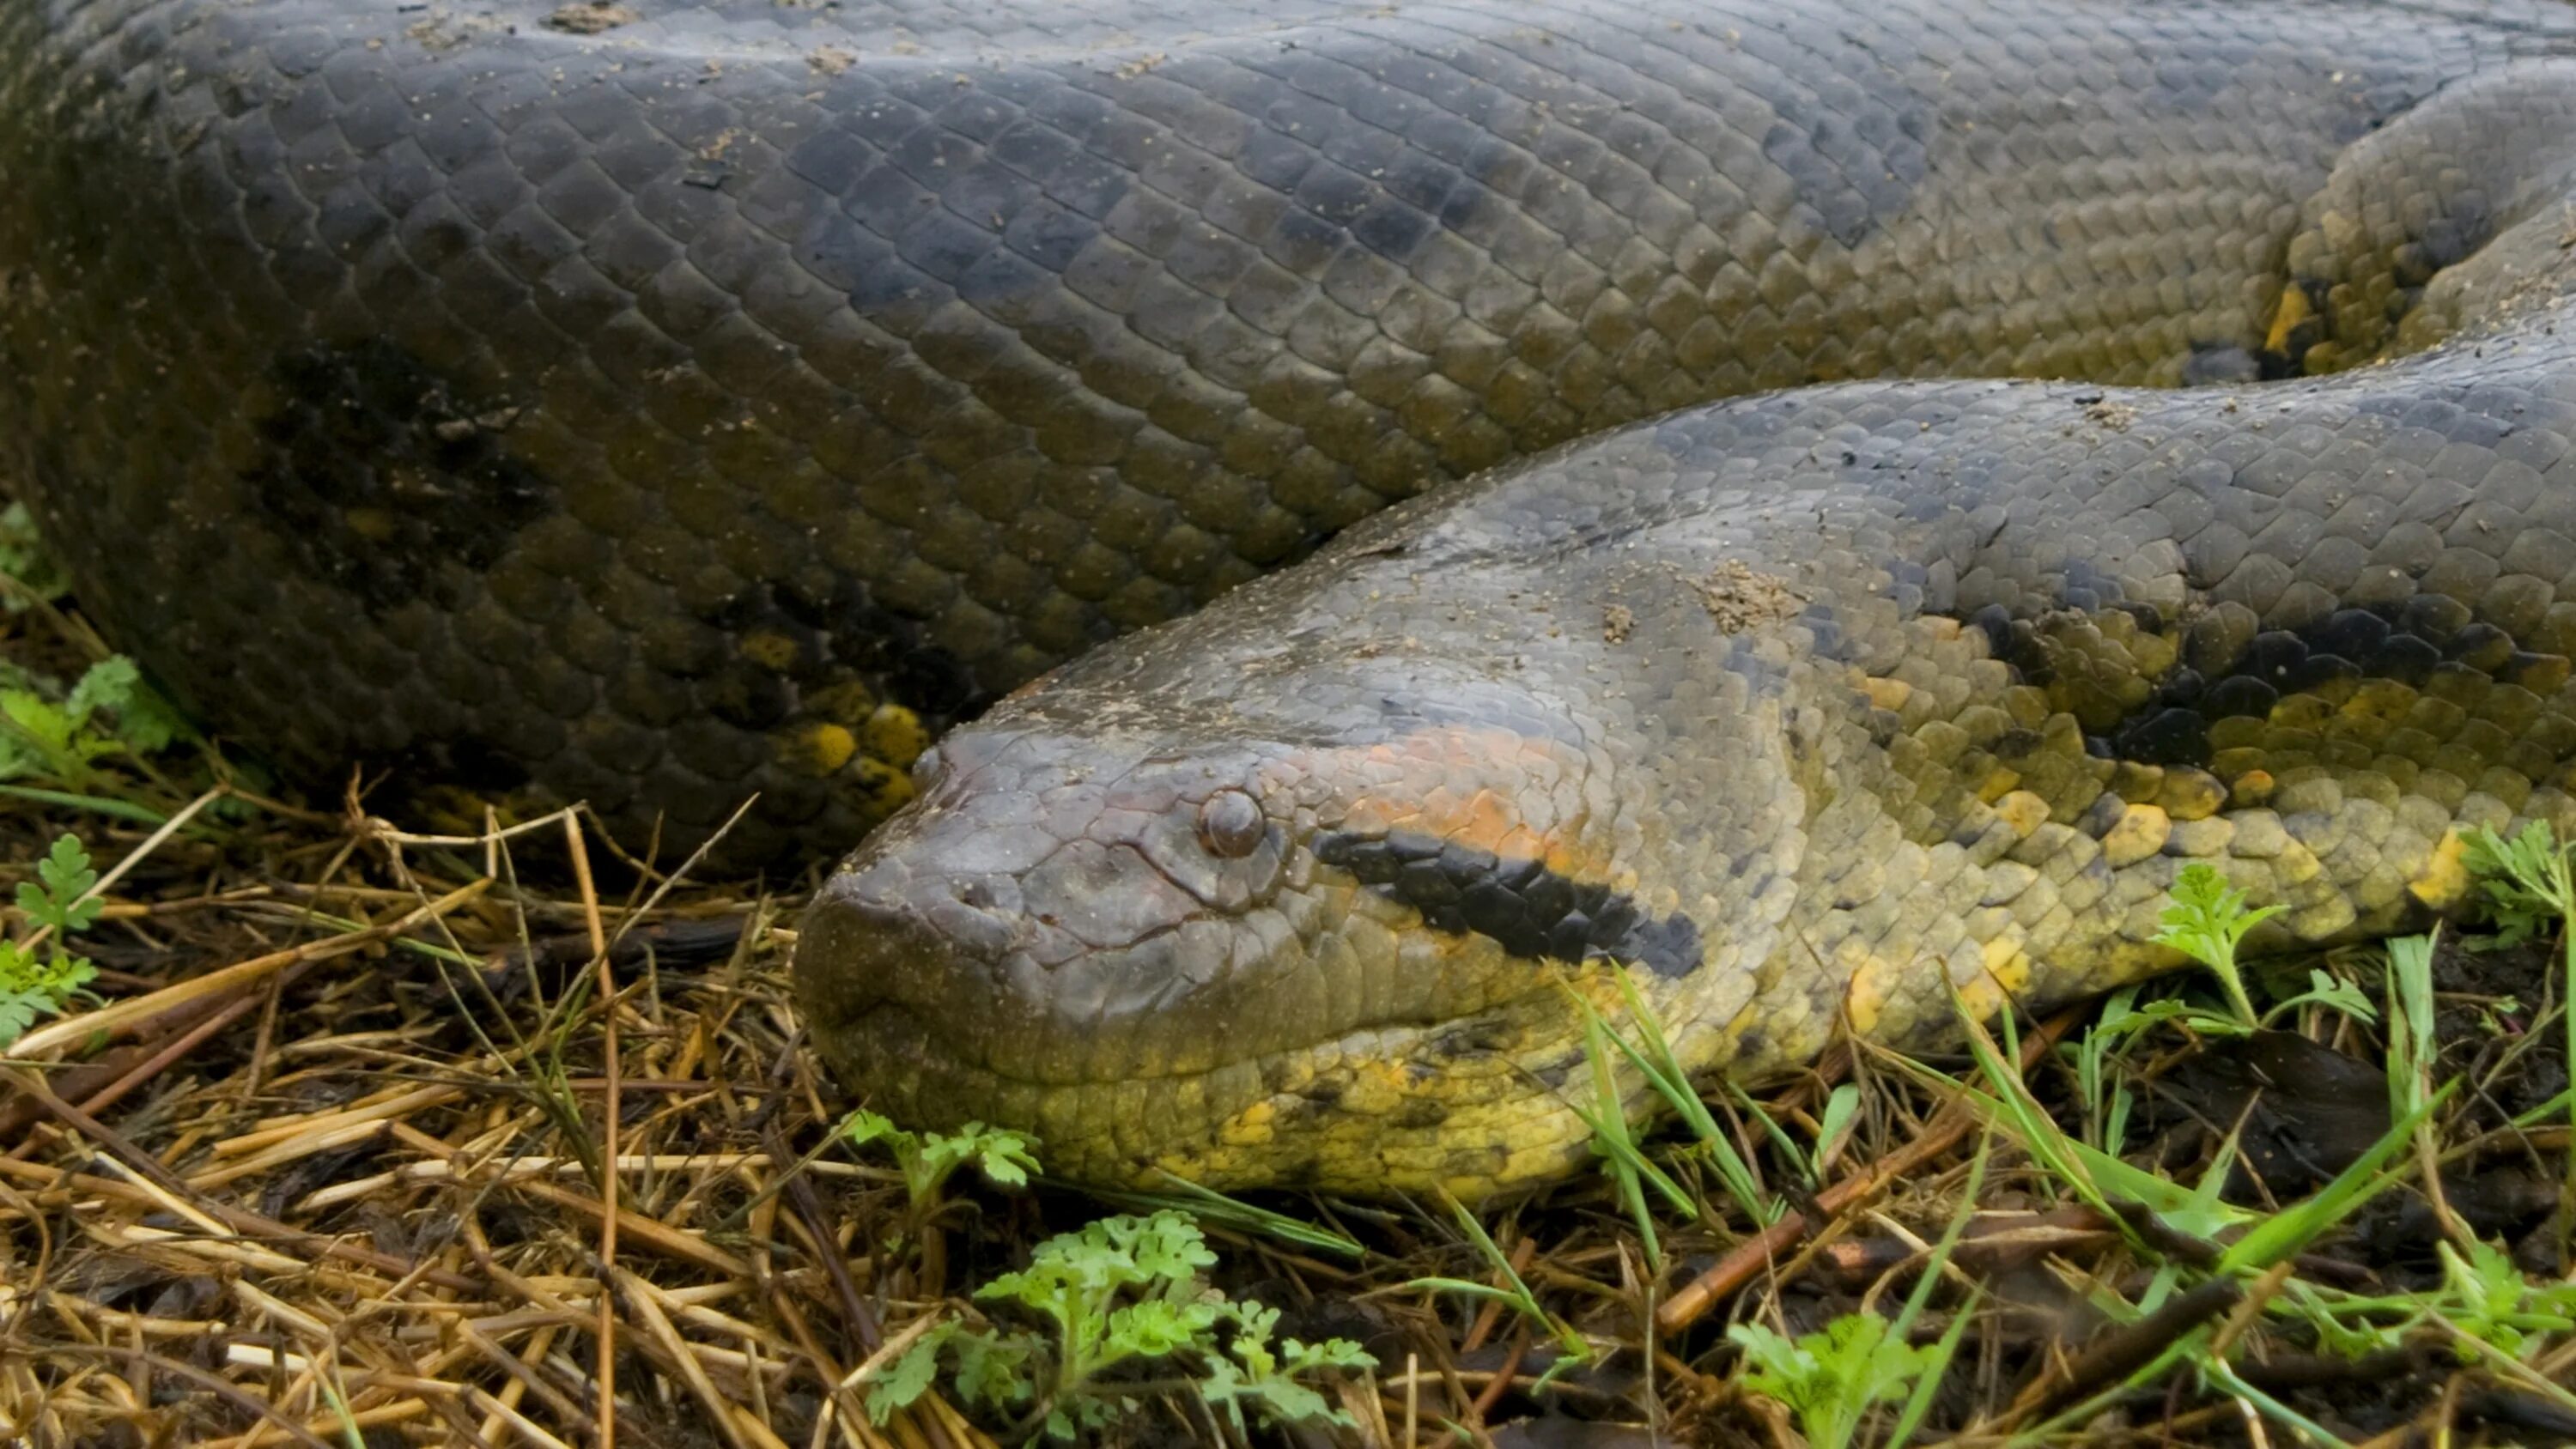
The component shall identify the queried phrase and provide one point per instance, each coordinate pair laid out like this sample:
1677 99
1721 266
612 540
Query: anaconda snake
649 403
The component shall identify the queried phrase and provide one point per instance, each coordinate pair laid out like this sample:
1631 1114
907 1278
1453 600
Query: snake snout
884 938
903 916
1044 915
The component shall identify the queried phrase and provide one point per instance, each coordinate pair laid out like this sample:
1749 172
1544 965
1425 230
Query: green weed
1623 1158
2411 1049
2529 884
1120 1293
57 901
97 743
2531 892
2484 1299
1835 1378
1653 1057
2207 921
1572 1347
928 1159
71 738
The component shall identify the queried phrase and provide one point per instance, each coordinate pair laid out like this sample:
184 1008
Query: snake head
1300 935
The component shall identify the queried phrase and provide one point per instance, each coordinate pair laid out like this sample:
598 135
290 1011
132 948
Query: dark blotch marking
2411 643
1476 1037
1530 910
1420 1112
381 473
840 634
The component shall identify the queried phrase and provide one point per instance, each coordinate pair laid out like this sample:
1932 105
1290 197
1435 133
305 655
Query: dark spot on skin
1324 1091
2167 737
1477 1037
2102 816
1854 156
1420 1112
749 698
1559 1072
1530 910
839 635
2414 644
384 475
2011 641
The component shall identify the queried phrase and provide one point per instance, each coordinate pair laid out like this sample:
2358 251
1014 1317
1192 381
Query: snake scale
1890 484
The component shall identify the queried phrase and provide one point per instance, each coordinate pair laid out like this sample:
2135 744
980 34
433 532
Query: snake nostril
1231 825
974 893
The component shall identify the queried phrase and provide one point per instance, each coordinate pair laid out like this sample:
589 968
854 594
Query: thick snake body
655 405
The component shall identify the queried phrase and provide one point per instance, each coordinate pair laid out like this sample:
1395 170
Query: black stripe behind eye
1528 909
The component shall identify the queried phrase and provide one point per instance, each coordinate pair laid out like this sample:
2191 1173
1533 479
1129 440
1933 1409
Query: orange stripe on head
1479 787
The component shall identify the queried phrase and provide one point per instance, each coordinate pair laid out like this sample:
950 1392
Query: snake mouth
928 1008
958 961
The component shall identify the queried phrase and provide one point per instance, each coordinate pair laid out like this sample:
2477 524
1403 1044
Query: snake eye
1231 824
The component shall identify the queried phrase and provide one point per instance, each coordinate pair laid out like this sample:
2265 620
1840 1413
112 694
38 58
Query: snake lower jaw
1356 1115
930 1010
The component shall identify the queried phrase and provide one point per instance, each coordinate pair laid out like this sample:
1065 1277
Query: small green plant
1571 1347
1208 1205
2531 891
2207 921
928 1159
2530 887
1121 1293
2490 1306
2094 1176
64 737
2486 1296
2411 1048
1834 1128
1653 1056
2098 1080
2332 992
98 742
1833 1378
33 985
1622 1156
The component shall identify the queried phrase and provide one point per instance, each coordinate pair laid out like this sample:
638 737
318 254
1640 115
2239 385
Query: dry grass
346 1165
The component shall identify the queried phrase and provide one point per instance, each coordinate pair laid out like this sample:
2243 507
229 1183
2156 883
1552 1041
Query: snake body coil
656 404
